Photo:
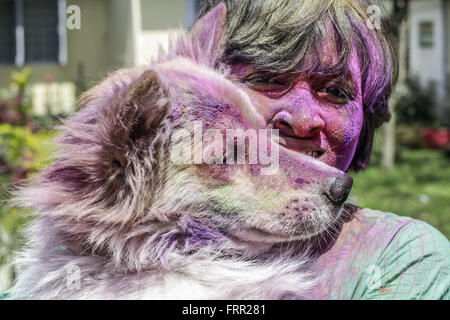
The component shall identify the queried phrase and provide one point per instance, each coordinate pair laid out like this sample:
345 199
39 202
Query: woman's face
318 116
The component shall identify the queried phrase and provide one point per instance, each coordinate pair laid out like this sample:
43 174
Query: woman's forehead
330 59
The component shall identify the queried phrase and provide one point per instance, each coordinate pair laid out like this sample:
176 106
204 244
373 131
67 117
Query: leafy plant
418 187
22 153
416 104
16 107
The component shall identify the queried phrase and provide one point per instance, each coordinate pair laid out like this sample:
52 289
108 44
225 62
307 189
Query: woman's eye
334 95
264 83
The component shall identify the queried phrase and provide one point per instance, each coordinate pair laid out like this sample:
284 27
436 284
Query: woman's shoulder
373 217
394 228
415 264
381 255
404 233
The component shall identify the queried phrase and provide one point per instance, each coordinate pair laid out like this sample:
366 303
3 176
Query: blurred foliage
418 187
23 151
16 107
416 104
408 136
19 78
419 184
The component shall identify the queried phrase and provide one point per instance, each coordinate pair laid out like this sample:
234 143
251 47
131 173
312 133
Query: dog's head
226 169
143 157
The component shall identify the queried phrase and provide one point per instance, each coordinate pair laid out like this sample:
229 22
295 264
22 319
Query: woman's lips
305 146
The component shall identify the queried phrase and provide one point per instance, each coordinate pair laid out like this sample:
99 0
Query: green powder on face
232 199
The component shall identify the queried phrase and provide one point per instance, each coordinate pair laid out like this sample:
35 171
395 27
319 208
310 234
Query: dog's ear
208 31
138 117
109 151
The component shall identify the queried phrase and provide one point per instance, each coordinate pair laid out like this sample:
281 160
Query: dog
116 218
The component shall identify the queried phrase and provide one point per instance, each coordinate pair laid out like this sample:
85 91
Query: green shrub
416 104
22 153
417 187
408 136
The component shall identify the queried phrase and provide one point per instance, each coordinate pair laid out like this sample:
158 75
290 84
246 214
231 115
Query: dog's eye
334 95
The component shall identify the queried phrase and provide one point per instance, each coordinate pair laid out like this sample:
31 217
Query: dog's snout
337 189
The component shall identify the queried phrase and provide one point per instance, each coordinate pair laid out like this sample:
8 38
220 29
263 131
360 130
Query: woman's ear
208 32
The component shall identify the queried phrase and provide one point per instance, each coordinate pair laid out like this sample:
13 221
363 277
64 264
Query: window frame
19 35
426 34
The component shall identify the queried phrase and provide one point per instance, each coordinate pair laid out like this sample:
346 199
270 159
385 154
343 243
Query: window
7 38
32 31
426 34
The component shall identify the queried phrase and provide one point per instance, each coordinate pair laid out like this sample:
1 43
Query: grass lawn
419 187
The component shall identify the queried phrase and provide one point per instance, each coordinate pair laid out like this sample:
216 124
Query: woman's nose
298 124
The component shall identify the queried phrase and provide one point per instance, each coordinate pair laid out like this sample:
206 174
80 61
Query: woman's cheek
343 129
343 125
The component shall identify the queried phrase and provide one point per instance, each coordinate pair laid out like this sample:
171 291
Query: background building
112 34
124 33
429 47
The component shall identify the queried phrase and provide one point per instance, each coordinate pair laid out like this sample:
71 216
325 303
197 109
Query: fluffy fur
116 219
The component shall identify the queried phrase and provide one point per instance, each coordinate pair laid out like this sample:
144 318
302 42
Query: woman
317 72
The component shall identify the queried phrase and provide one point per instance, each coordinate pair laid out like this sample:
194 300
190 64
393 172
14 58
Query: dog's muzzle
337 189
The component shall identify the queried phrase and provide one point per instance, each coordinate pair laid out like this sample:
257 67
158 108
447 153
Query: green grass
418 187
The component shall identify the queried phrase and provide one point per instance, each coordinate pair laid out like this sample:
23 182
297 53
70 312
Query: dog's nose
338 188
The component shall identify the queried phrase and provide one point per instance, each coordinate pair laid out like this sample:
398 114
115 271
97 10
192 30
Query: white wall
154 21
428 63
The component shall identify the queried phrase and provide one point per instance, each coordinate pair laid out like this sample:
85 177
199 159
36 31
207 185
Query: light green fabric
4 296
415 265
385 256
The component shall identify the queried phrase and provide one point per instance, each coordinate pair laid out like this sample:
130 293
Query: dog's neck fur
215 271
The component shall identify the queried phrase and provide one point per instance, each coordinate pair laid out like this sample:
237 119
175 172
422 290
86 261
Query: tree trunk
388 147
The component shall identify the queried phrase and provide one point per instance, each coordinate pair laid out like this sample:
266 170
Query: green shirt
381 255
